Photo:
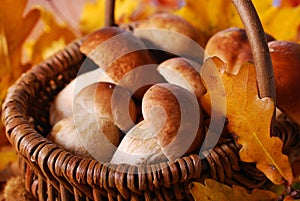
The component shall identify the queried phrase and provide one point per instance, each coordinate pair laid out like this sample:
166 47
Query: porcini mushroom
286 64
172 126
183 72
100 110
107 100
123 57
172 34
62 106
232 47
92 137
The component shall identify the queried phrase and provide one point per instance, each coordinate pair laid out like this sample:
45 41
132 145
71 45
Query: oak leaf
54 37
215 191
14 29
249 119
92 16
289 3
275 23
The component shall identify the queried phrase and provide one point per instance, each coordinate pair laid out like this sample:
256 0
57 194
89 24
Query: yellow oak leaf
209 17
249 119
54 37
289 3
215 191
7 157
14 29
275 22
92 16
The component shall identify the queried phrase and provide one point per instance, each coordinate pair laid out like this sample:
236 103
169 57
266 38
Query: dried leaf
214 191
7 157
275 22
54 37
92 16
205 15
289 3
249 119
14 29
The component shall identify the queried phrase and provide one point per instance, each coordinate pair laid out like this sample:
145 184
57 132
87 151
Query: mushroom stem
260 50
109 13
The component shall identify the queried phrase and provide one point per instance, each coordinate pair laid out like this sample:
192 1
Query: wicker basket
52 173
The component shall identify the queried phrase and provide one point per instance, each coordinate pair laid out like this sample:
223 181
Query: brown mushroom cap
94 39
62 106
184 73
119 53
174 114
231 46
173 23
105 100
286 64
171 33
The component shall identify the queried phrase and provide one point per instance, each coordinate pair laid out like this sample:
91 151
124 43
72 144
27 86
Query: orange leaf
53 38
249 119
14 29
289 3
214 191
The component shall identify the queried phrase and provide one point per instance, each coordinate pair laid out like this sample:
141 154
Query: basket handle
259 47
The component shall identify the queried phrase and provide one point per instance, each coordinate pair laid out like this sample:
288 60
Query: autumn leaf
53 38
92 16
249 119
289 3
215 191
275 22
7 157
208 17
205 16
14 29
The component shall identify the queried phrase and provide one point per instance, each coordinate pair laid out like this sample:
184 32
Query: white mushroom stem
172 127
139 147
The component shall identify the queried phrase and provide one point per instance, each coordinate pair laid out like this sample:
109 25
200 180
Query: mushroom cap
94 39
106 100
231 46
175 116
183 72
119 53
286 64
165 20
62 106
170 33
